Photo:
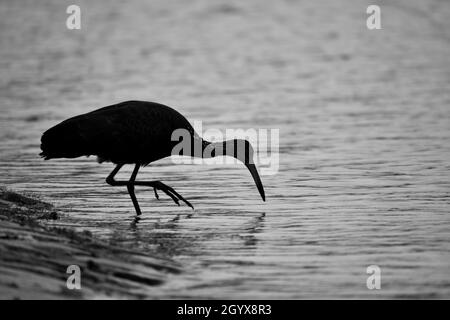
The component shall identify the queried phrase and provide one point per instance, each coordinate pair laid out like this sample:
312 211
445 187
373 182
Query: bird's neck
215 149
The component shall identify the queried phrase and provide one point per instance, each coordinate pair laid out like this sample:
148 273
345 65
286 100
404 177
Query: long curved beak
252 168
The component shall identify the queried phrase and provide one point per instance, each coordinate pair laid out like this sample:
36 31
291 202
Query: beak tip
258 182
262 193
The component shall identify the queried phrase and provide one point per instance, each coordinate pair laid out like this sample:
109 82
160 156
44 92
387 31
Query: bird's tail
62 141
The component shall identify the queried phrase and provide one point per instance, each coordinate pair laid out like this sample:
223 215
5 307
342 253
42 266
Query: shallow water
364 138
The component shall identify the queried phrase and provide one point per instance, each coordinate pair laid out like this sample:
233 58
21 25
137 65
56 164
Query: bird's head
243 151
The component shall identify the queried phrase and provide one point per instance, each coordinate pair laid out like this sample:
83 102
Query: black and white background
364 128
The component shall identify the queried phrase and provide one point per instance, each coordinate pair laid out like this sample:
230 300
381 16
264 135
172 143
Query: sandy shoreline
35 257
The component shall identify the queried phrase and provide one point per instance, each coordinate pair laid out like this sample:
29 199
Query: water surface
364 138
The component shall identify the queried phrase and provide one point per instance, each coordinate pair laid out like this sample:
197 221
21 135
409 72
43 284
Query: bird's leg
166 189
130 188
175 196
129 184
110 178
172 190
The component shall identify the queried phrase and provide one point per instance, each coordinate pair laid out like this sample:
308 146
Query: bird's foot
176 197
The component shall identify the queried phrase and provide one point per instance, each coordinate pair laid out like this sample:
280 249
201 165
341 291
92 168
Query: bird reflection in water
173 238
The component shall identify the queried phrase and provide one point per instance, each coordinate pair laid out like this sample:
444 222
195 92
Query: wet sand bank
35 257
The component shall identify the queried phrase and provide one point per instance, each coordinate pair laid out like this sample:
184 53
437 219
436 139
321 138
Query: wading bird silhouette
137 132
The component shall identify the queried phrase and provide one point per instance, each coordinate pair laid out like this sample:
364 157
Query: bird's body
135 132
126 133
